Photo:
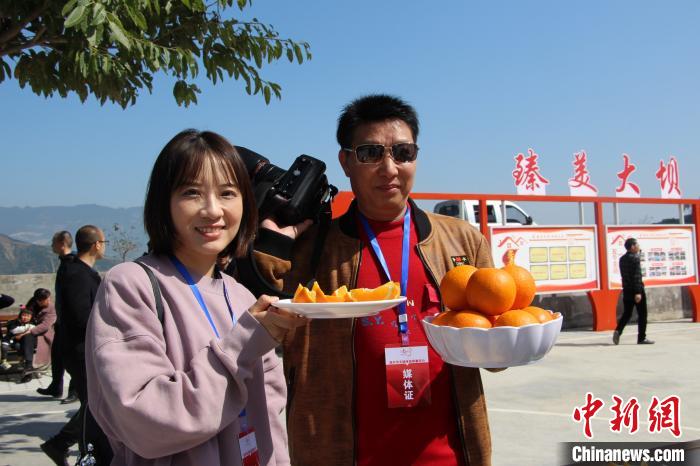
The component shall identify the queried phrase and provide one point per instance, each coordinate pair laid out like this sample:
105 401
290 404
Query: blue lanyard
402 316
195 291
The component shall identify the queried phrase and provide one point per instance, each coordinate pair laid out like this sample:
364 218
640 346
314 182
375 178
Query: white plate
338 310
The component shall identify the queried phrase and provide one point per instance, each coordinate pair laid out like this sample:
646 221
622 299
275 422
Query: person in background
61 245
633 293
203 386
5 301
19 338
76 289
44 318
343 411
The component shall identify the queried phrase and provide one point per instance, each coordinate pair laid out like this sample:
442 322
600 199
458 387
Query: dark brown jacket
319 360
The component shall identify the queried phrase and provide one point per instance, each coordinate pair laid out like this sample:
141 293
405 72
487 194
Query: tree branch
12 31
36 40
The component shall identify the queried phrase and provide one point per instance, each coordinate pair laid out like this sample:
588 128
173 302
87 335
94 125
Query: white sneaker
5 366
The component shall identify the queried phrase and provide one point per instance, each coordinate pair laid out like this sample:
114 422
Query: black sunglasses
374 153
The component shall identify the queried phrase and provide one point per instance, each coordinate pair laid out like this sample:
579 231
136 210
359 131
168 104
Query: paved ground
530 407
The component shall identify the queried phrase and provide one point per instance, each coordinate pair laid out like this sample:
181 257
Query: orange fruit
491 291
389 290
304 295
493 319
467 318
453 287
525 287
539 313
516 318
338 296
443 318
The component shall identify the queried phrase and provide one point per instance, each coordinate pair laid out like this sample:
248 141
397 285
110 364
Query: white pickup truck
469 210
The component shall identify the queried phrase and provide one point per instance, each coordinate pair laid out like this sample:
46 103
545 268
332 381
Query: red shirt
424 435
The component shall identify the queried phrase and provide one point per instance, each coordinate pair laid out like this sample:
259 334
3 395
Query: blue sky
489 79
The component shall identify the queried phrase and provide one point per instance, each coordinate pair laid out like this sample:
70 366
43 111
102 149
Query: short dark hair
629 242
371 109
180 162
41 294
63 237
85 237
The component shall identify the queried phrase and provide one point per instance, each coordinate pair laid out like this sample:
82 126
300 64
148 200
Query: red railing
603 301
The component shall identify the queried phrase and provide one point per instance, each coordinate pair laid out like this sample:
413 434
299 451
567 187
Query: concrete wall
663 303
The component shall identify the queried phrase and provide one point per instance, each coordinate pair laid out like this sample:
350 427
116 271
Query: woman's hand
291 231
277 322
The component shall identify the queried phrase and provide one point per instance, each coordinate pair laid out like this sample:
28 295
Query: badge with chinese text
407 376
249 448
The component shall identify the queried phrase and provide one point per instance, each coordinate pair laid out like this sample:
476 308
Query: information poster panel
561 258
668 255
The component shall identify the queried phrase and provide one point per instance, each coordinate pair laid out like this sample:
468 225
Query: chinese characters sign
529 180
669 179
561 259
668 255
661 414
627 188
527 176
580 184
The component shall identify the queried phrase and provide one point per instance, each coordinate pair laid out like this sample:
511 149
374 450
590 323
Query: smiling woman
206 374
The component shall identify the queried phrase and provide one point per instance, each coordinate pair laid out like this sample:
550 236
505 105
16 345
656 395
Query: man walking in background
632 293
76 288
61 245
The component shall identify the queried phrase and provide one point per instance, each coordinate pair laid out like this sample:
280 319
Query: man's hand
637 298
291 231
21 335
276 321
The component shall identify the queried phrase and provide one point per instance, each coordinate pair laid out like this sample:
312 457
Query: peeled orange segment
318 292
304 295
389 290
338 296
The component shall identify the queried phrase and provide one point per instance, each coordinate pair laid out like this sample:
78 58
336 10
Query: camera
289 196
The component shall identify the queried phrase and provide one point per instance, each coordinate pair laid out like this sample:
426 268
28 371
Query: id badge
407 376
249 448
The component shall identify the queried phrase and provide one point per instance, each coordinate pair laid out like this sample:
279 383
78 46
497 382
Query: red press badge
407 376
249 448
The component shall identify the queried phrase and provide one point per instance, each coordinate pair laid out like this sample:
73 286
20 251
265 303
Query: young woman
204 387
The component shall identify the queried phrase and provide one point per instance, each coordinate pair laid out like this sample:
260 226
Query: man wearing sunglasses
343 407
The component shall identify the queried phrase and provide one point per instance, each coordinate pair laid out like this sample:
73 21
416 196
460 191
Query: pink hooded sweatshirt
171 394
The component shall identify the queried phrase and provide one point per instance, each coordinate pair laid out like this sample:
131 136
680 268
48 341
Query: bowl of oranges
491 322
342 303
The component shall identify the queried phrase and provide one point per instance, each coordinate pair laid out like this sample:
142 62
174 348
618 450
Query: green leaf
99 14
68 7
119 35
266 92
297 52
137 17
75 16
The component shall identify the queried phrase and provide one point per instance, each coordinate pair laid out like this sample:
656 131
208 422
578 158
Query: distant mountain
19 257
36 225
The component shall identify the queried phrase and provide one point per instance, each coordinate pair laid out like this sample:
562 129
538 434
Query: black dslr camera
289 196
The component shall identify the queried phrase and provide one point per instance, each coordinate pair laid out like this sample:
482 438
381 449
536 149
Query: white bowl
493 347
